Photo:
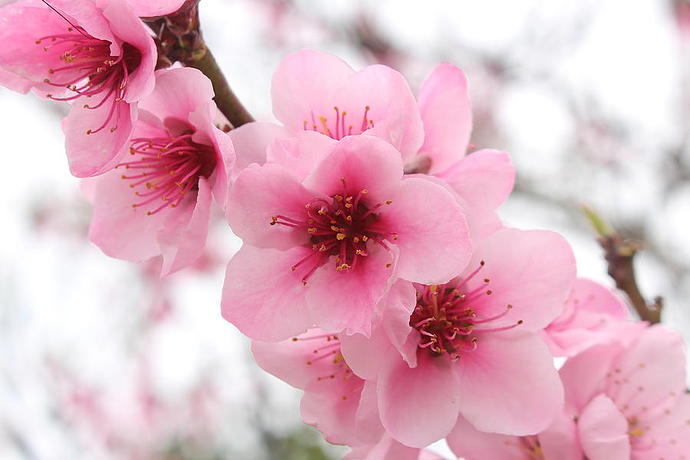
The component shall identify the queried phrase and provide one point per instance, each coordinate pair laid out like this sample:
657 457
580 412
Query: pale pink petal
183 241
332 407
292 360
100 151
208 134
24 64
392 107
128 28
603 431
431 230
260 193
419 405
265 311
365 163
367 420
148 8
387 448
560 441
583 376
345 299
301 153
531 270
304 84
471 444
397 308
89 15
655 364
366 355
592 296
509 384
483 179
117 228
178 92
251 141
670 431
446 110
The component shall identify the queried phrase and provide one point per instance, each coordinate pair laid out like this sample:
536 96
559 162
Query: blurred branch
619 253
179 39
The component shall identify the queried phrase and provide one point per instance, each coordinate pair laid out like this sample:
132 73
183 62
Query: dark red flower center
342 227
339 125
90 71
449 318
166 170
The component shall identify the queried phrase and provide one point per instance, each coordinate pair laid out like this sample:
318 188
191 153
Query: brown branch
179 39
619 253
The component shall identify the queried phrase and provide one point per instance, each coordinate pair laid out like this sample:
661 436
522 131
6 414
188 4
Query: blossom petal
603 431
483 179
100 151
303 85
446 110
183 239
431 230
419 405
259 194
265 311
471 444
344 300
292 360
364 162
509 384
533 271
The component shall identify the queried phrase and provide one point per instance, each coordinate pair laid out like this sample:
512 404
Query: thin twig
619 253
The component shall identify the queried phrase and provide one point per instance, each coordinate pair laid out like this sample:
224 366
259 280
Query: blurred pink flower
337 402
620 404
158 202
101 59
593 314
324 250
471 346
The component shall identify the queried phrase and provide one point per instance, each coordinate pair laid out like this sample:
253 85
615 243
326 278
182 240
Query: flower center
341 227
90 71
166 169
448 316
339 127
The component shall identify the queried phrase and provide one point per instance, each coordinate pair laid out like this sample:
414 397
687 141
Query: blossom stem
619 253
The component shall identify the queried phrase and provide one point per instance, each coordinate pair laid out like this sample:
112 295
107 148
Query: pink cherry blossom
593 314
101 59
631 400
324 250
158 202
621 403
337 402
471 346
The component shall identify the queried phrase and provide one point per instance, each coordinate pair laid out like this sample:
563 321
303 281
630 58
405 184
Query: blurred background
100 359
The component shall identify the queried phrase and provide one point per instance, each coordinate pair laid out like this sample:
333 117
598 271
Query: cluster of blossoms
375 273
